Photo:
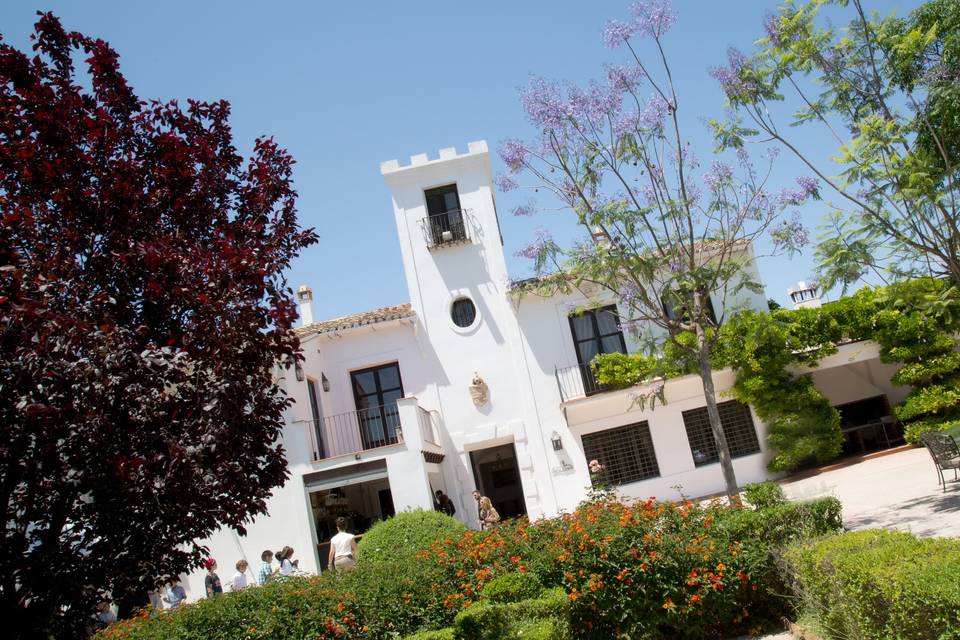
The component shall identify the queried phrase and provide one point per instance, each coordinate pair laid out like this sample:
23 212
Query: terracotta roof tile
363 318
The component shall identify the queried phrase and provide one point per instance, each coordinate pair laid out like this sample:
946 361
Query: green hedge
879 584
484 621
512 587
763 495
405 534
784 522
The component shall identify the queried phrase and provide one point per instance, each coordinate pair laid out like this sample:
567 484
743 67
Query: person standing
343 548
287 566
267 572
488 515
212 581
476 497
175 594
238 582
445 504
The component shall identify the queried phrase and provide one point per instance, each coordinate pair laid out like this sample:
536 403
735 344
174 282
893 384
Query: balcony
445 229
578 381
355 431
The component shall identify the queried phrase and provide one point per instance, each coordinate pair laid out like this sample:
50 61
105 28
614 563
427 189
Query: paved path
898 491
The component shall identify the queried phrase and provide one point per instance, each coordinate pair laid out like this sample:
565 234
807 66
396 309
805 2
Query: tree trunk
710 394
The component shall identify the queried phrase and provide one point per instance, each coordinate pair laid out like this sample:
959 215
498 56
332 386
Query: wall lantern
298 371
324 382
556 441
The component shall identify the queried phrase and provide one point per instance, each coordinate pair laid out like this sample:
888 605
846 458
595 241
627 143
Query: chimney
805 295
305 299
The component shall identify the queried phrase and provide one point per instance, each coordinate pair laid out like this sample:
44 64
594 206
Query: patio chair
944 451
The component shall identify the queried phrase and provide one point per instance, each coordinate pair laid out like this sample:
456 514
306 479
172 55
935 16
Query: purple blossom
629 294
649 194
653 18
790 235
864 194
654 113
773 25
624 77
505 183
538 247
791 197
524 210
544 104
626 123
615 33
513 153
593 105
810 186
719 175
734 78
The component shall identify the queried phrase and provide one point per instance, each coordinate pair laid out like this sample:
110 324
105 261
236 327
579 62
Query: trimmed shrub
764 494
487 621
549 629
782 523
512 587
879 584
405 534
440 634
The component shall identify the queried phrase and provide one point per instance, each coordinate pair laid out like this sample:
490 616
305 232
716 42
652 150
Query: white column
409 484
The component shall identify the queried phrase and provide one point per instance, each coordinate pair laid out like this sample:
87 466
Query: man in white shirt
343 548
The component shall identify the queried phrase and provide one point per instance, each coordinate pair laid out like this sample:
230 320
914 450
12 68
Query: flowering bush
645 569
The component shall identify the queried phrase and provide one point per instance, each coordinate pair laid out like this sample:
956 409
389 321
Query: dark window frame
449 219
460 314
671 313
314 398
597 336
735 416
379 423
627 453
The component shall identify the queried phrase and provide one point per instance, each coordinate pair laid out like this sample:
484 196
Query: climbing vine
914 322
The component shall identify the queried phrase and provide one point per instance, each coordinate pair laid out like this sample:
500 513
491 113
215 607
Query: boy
238 582
267 572
175 594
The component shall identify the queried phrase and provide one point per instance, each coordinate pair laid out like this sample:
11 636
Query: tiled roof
375 316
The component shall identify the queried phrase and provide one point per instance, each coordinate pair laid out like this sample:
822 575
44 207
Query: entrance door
386 503
497 476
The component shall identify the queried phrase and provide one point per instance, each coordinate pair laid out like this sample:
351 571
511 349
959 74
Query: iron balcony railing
445 228
355 431
578 381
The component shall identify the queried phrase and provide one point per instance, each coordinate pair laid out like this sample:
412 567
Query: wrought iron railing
355 431
578 381
427 424
445 228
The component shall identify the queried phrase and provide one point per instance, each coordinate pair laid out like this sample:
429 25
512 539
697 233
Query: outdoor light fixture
324 382
298 370
556 441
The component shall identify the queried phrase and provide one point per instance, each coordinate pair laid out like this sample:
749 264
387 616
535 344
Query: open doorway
498 477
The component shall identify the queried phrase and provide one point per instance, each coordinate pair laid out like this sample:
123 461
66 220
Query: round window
463 312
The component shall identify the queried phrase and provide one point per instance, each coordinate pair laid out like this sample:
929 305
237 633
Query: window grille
737 423
626 453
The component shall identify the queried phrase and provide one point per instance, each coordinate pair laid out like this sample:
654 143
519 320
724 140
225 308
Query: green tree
663 235
887 90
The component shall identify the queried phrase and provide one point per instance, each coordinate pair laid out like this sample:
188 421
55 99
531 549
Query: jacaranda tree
143 310
669 239
886 91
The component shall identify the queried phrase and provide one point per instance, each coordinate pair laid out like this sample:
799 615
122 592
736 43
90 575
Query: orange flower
668 604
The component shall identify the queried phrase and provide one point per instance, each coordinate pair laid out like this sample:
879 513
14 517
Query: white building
467 387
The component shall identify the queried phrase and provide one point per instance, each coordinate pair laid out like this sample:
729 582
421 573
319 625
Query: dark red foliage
143 310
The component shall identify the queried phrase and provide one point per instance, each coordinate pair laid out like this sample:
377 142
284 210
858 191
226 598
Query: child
212 581
287 567
175 594
267 572
239 580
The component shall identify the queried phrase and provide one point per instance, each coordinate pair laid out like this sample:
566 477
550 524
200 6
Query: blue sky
346 85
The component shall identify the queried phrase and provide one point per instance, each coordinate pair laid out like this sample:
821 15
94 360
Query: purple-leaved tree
663 234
